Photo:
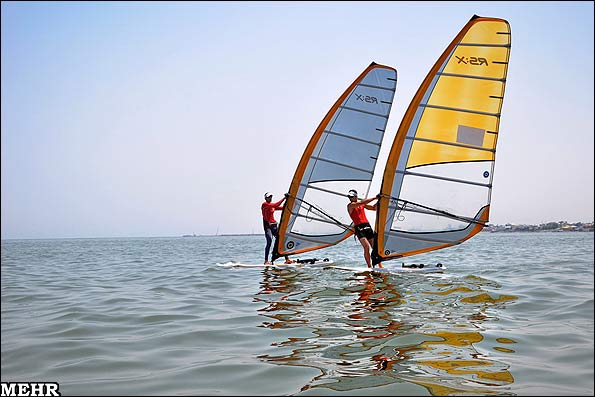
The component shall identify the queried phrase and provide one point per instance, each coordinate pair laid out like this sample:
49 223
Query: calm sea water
511 315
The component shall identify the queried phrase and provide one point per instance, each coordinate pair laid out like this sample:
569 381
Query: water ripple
513 314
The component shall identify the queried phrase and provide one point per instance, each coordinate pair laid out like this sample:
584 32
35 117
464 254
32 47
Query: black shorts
364 230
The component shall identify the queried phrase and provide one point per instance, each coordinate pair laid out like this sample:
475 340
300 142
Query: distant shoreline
549 227
554 227
223 235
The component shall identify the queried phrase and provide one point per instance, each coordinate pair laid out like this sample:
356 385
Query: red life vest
358 215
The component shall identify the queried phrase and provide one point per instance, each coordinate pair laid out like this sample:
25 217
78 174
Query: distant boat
189 235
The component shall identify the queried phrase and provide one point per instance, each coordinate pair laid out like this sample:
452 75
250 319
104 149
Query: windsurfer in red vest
362 227
270 224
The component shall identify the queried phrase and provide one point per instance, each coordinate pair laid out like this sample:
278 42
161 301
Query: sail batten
340 155
412 138
352 137
378 86
309 186
430 211
342 164
365 111
425 105
442 178
471 76
483 45
448 135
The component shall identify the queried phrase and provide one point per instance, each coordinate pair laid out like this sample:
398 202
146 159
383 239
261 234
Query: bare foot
288 261
267 262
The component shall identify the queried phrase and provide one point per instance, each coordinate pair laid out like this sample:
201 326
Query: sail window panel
401 244
323 171
456 198
444 125
468 94
339 189
415 222
488 32
370 99
382 77
477 172
309 227
425 153
470 136
323 213
488 62
294 242
350 152
360 125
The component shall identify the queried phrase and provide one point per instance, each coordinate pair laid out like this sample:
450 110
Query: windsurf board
438 268
281 264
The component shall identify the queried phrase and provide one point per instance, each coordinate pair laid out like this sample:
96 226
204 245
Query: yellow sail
437 183
340 156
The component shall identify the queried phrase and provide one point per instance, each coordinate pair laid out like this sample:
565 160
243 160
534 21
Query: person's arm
367 201
278 205
375 206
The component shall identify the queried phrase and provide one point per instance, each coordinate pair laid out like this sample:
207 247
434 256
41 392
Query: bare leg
366 244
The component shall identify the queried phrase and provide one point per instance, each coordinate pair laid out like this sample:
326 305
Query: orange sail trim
299 173
436 186
473 231
354 125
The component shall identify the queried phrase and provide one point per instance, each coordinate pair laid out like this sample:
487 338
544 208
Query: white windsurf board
281 264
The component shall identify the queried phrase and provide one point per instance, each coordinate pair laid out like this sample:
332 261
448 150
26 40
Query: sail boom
421 237
433 212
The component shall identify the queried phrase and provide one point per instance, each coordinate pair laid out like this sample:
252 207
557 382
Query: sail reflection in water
387 333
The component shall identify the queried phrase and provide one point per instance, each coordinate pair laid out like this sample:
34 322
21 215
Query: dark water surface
511 315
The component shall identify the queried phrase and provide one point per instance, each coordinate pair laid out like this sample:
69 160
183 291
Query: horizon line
236 234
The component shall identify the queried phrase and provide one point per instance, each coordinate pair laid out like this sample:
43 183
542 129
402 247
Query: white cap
352 193
268 194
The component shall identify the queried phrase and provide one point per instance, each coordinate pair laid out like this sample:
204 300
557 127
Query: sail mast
340 155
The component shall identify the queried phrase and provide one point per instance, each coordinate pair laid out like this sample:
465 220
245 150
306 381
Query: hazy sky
161 119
